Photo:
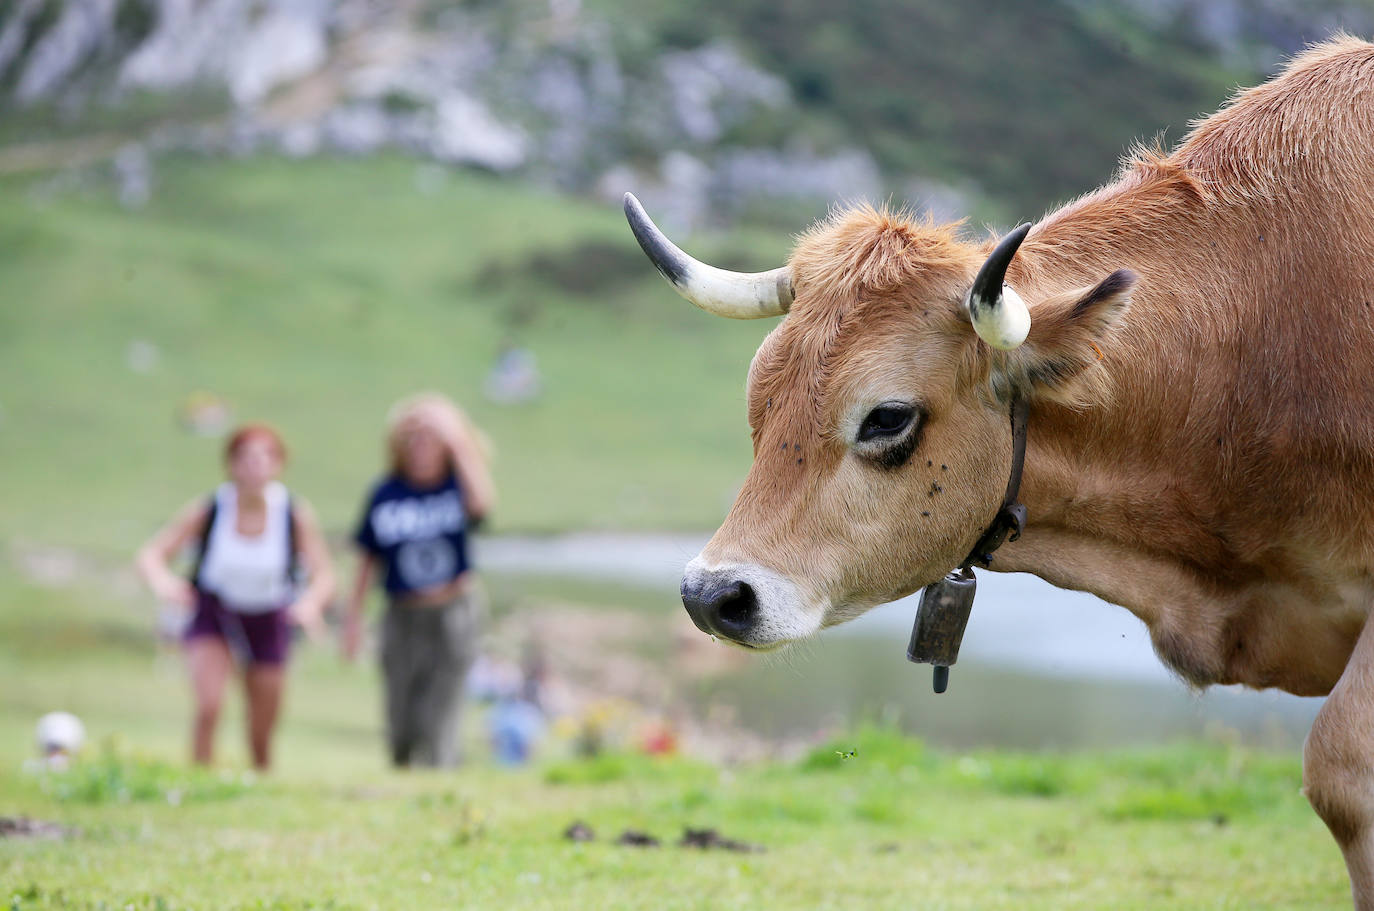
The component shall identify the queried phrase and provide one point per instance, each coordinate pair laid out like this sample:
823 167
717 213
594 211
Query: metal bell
940 621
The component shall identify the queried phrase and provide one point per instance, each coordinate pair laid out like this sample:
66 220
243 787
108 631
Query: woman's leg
398 663
263 686
440 704
210 663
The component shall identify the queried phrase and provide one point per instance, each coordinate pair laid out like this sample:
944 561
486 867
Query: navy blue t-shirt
419 534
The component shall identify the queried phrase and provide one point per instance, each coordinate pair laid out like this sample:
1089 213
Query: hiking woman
413 534
242 594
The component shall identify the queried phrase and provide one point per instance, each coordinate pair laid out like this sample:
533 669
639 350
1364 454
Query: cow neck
1010 520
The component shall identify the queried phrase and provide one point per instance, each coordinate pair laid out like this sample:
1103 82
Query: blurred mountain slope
718 106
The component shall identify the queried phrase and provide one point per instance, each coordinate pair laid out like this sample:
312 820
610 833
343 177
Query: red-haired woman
253 535
413 533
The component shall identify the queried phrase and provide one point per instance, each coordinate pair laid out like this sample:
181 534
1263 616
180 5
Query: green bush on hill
1033 102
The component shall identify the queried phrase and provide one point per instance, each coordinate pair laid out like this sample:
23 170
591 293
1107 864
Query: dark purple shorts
263 638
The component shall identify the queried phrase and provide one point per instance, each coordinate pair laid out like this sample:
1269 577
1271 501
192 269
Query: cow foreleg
1338 767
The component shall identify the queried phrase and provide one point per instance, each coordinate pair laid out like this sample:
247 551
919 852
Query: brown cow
1201 432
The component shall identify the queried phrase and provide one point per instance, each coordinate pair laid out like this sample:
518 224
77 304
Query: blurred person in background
413 534
242 594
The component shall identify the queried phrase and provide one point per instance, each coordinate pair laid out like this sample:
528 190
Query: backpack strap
292 557
204 540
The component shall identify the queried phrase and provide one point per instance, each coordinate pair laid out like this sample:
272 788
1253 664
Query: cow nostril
728 609
735 608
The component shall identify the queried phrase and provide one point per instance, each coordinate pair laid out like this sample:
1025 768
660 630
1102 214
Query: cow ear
1068 344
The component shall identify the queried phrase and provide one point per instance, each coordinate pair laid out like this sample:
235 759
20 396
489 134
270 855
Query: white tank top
249 575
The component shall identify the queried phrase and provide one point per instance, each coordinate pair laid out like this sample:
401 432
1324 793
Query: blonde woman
242 594
413 536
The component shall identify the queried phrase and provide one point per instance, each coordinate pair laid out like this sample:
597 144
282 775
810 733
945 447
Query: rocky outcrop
549 94
78 34
247 47
1262 32
712 88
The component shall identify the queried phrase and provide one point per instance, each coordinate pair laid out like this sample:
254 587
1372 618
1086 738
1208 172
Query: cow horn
999 315
737 295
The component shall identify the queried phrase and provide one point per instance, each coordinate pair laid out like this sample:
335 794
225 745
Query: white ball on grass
60 734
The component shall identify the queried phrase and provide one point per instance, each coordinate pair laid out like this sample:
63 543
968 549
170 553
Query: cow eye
886 421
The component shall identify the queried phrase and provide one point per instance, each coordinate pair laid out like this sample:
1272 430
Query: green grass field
870 820
315 294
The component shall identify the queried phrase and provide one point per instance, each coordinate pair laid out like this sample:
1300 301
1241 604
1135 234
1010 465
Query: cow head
879 412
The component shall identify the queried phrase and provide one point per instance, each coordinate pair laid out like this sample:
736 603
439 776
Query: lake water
1039 667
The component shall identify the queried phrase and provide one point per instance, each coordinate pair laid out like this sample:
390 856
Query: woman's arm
479 492
308 609
157 552
353 618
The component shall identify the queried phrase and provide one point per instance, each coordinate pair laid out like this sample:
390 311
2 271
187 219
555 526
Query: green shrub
870 747
604 768
1030 775
117 778
1219 804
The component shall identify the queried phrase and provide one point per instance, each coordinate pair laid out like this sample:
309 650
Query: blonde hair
411 410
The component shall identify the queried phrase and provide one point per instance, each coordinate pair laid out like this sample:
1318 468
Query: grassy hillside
869 820
313 295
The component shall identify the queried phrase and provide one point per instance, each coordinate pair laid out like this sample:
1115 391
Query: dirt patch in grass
26 827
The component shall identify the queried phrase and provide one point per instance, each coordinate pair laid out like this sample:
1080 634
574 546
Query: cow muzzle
746 604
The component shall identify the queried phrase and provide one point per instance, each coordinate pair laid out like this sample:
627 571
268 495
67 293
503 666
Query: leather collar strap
1011 518
945 605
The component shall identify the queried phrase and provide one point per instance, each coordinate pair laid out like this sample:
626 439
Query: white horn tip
1004 326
